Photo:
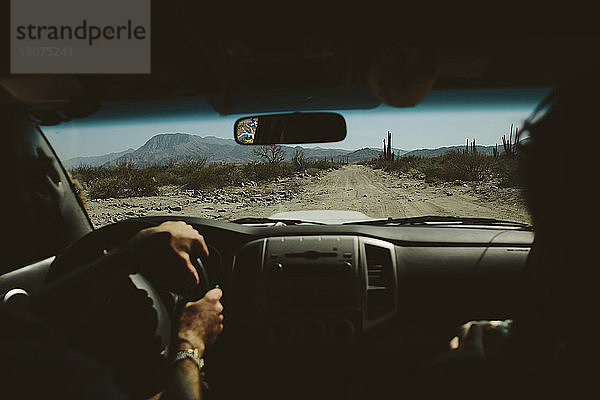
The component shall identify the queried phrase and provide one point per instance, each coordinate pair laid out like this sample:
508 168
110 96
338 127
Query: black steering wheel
138 315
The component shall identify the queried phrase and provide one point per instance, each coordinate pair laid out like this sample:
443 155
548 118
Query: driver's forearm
185 382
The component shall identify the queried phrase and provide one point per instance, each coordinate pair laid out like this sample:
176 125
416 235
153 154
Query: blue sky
443 118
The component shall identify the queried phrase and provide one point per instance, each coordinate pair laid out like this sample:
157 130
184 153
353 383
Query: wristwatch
192 354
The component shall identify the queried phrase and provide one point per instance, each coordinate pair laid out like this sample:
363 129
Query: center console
313 290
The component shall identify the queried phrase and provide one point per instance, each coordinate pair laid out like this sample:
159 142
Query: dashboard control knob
277 267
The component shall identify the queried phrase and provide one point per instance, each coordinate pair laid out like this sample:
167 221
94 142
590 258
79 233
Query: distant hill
181 146
317 153
363 155
94 161
442 150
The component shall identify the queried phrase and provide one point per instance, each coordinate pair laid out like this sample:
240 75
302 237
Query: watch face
193 352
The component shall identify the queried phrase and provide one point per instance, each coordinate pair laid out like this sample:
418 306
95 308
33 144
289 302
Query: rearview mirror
291 128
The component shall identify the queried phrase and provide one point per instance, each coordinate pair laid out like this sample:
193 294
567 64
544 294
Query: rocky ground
353 187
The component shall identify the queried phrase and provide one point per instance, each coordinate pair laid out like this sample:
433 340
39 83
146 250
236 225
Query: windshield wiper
442 220
254 220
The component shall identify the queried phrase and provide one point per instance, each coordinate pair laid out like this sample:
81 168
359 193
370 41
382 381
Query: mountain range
94 161
488 150
181 146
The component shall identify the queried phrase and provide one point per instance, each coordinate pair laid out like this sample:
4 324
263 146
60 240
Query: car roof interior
235 59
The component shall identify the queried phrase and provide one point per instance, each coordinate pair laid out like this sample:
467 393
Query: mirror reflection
290 128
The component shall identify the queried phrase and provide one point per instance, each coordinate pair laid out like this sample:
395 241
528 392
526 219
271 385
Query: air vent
381 282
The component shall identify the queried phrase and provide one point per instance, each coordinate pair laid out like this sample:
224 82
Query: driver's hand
483 337
201 321
170 243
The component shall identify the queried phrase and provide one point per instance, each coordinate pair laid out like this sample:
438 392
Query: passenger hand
483 337
170 243
201 321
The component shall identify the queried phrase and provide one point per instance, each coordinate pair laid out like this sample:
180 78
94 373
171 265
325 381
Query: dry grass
126 180
455 165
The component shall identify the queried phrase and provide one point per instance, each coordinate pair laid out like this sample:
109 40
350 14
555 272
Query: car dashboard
351 304
337 310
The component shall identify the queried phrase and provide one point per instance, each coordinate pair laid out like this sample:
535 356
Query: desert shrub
127 180
284 169
378 163
257 171
400 164
135 181
260 171
122 181
505 169
271 154
86 174
163 174
140 183
210 176
103 188
216 175
320 164
177 173
455 165
170 176
298 160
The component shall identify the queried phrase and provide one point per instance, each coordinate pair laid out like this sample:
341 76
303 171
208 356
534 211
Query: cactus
387 147
470 148
390 145
509 143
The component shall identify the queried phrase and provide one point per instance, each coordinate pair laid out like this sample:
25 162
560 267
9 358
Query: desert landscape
356 187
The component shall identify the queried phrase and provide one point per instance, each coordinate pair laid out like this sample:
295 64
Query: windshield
452 155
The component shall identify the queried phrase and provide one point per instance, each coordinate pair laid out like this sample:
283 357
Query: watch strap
192 354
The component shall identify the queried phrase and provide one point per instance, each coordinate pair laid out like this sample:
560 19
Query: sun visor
43 89
49 100
357 98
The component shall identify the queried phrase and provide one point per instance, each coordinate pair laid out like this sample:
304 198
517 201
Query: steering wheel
134 328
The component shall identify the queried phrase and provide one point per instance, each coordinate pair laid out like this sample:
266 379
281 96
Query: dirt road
353 187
